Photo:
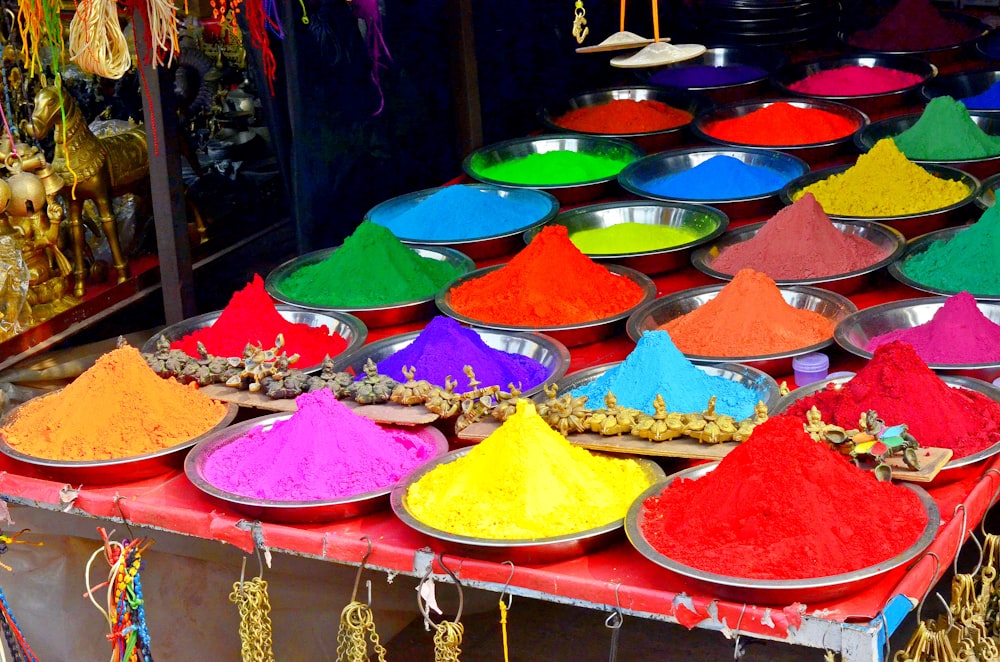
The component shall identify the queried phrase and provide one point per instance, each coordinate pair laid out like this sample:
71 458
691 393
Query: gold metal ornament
580 29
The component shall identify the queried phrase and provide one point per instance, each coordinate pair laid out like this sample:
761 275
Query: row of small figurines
270 372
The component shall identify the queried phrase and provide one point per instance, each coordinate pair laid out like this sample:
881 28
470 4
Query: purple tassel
368 11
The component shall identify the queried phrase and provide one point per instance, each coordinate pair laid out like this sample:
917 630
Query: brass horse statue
102 166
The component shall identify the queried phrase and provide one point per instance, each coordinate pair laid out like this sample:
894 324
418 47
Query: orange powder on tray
748 317
625 116
117 408
549 283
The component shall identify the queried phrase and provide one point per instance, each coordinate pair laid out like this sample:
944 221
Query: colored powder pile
783 123
799 242
703 75
913 25
371 268
902 389
632 238
117 408
855 81
324 451
958 333
557 167
968 261
721 177
525 481
884 182
774 509
748 317
444 347
657 366
250 317
946 132
986 100
624 116
458 213
549 283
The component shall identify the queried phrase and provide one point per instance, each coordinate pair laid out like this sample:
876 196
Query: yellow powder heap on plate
883 183
118 408
632 238
523 482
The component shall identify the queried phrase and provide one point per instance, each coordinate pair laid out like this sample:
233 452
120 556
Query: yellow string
305 17
163 30
357 622
503 629
255 621
96 41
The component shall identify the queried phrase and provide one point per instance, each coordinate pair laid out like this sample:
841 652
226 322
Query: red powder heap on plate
959 333
781 506
783 123
624 116
798 243
748 317
250 317
902 389
549 283
854 81
913 25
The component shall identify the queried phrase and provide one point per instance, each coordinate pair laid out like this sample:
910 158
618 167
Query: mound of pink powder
324 451
797 243
854 81
959 333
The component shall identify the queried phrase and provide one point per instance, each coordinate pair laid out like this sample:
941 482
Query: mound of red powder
549 283
782 123
799 242
624 116
902 389
250 317
913 25
781 506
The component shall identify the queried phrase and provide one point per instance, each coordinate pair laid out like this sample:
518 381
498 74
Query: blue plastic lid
811 362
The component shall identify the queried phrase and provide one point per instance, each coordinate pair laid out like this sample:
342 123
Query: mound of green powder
968 261
371 268
946 132
556 168
631 238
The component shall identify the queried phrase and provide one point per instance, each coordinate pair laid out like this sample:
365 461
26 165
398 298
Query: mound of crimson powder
898 385
913 25
704 75
855 81
774 508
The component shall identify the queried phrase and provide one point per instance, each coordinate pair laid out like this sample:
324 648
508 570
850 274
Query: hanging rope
257 25
162 25
96 41
254 605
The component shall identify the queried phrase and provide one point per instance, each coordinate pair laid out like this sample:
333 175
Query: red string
145 87
257 24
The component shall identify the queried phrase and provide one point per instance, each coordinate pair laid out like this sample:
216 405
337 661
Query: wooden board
388 413
932 460
684 447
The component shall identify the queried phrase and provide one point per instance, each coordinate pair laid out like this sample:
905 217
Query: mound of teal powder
968 261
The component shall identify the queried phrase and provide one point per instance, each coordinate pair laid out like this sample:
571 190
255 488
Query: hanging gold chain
357 621
255 621
447 641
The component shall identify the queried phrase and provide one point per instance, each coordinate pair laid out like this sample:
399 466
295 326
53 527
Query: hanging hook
615 618
117 500
992 502
505 591
737 653
361 568
961 538
947 609
454 578
937 569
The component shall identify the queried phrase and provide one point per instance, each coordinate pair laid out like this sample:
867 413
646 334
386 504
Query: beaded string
19 649
125 613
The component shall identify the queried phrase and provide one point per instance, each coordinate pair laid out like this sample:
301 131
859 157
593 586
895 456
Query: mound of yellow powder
882 183
525 481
